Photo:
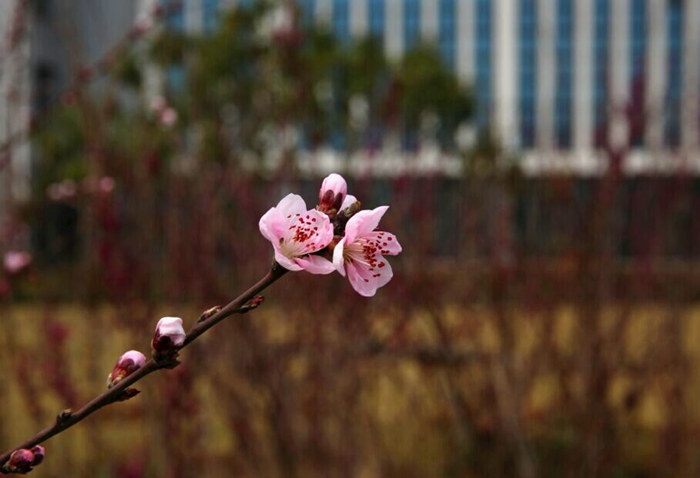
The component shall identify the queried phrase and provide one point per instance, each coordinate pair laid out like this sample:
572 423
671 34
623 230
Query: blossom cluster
335 236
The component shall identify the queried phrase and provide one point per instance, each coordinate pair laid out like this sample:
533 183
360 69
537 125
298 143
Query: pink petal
286 262
387 242
364 222
349 201
310 232
272 225
291 204
315 264
366 282
338 259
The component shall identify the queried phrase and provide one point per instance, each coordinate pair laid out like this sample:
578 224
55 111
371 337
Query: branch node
127 394
208 313
64 416
253 303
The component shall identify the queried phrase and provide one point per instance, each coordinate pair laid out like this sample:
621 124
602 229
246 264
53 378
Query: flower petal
315 264
364 222
386 242
291 204
285 261
338 259
310 232
349 201
272 225
366 281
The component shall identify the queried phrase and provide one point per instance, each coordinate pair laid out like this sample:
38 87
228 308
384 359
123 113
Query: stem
67 419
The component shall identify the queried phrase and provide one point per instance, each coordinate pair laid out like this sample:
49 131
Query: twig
121 390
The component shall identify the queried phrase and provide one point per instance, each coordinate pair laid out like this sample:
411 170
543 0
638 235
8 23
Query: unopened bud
39 452
21 461
332 194
126 365
169 335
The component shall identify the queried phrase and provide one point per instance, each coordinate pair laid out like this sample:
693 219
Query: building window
564 54
341 26
528 71
601 52
446 35
411 23
210 14
45 84
307 8
674 83
638 49
376 18
483 63
175 21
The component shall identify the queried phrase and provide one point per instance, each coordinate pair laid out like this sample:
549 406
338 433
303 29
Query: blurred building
554 80
44 44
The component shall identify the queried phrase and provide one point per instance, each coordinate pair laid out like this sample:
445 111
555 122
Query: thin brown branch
120 392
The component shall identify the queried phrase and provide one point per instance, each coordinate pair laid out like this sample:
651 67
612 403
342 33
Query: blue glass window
376 18
528 71
175 21
340 20
411 23
483 63
446 32
306 10
674 84
601 52
210 13
564 53
638 49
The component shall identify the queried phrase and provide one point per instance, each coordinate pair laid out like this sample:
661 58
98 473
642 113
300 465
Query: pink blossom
127 364
296 233
106 184
332 194
361 252
169 335
168 117
16 261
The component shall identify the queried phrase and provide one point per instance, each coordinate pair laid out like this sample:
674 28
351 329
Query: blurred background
541 161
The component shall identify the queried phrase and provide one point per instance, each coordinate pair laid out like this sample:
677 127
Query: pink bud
16 261
168 117
106 184
126 365
39 452
333 191
21 461
169 335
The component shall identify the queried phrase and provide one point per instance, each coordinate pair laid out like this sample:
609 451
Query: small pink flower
332 194
16 261
126 365
296 233
168 117
169 335
361 252
106 184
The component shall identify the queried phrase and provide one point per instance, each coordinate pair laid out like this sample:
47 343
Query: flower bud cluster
336 236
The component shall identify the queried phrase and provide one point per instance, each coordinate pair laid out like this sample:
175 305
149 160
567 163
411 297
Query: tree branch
120 391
